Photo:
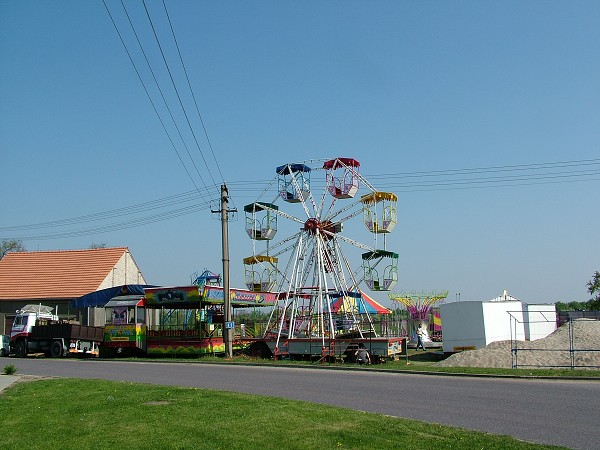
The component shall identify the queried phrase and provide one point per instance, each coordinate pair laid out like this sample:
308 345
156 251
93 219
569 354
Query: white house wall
126 271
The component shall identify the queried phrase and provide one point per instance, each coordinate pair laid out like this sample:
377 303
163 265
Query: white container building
475 324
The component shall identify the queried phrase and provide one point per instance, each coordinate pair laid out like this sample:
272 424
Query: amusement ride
309 268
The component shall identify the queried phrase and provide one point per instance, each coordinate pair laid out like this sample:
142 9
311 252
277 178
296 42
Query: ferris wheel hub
327 228
312 225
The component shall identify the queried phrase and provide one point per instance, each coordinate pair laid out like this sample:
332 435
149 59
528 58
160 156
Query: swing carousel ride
321 308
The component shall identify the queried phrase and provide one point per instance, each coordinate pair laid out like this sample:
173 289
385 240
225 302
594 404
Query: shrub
10 369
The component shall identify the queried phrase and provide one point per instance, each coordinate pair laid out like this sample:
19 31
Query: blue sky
413 90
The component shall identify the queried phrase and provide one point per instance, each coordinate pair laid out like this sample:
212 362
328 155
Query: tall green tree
11 245
594 288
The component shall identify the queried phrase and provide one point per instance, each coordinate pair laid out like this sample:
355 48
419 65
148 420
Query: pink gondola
342 177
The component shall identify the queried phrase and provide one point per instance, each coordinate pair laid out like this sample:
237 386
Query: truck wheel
2 352
56 351
260 350
21 349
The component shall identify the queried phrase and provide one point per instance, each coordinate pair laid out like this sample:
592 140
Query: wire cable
246 189
130 223
178 199
148 95
161 92
177 91
192 92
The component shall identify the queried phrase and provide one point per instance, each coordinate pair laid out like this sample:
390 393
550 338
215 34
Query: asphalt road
559 412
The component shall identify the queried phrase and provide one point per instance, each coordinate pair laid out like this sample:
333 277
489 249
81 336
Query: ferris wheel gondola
294 182
260 273
261 220
380 215
380 270
342 177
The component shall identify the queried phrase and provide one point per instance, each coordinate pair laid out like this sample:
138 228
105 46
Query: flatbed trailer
59 339
381 349
37 330
62 339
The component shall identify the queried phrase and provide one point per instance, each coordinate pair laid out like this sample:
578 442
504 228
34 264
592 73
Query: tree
11 245
95 246
594 288
576 306
561 306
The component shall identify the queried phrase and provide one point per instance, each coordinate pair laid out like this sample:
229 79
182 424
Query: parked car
4 345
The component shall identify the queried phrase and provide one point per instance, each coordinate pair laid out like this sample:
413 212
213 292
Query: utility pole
227 331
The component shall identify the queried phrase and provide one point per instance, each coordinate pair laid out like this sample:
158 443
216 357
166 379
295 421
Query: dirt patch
551 351
27 378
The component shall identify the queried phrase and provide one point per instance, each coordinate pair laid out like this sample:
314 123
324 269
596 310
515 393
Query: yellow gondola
379 211
260 273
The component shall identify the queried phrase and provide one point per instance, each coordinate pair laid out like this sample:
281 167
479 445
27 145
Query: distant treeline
590 305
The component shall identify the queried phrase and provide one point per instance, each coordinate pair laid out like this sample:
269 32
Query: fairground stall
125 329
181 320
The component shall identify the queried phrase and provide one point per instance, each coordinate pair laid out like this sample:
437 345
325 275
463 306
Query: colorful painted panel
185 347
124 335
239 297
173 296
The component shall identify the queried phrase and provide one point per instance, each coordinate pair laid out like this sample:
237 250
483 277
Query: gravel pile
551 351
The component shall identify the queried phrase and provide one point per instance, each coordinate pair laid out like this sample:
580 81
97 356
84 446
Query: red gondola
342 177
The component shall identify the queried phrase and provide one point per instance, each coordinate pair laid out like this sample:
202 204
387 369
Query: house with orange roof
55 278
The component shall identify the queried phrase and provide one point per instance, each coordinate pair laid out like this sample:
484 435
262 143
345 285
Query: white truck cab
28 316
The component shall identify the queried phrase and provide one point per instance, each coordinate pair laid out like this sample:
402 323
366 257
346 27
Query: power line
505 168
161 92
495 179
192 92
131 223
177 92
177 199
148 95
247 187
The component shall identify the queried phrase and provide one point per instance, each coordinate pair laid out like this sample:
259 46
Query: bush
10 369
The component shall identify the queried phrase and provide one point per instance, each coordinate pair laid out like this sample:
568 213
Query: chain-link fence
573 345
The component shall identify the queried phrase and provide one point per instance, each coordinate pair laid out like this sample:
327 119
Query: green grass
417 362
94 414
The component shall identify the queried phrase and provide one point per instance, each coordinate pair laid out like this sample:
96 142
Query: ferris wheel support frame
318 270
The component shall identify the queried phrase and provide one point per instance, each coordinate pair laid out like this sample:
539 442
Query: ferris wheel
313 204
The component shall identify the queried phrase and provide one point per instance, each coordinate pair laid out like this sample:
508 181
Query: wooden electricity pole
227 331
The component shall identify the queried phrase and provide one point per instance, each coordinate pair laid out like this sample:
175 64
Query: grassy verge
86 414
416 362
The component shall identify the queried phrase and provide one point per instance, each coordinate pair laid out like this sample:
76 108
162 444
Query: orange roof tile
55 274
